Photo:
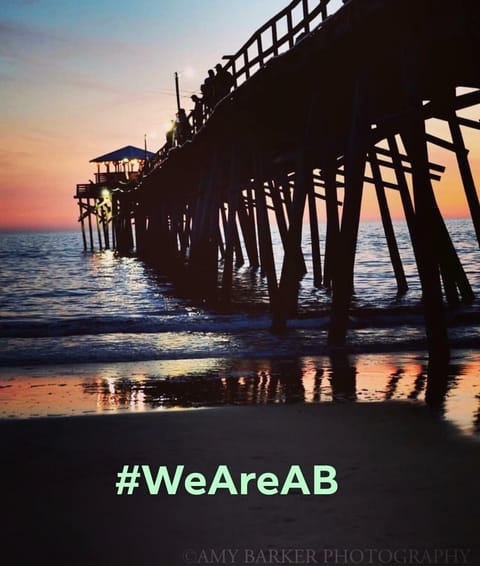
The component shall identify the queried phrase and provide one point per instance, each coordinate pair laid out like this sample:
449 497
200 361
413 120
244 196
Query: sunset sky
79 79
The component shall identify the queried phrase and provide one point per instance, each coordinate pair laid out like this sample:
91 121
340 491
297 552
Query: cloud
17 38
35 44
20 2
52 61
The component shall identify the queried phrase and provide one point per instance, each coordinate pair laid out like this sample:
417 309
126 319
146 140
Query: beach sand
406 481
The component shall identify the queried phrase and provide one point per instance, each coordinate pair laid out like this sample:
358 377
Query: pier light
105 193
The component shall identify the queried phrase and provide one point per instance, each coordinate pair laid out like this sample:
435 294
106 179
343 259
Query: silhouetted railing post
260 50
290 30
306 23
274 39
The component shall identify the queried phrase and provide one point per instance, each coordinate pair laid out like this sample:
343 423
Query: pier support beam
291 272
355 160
314 237
140 229
97 211
81 210
466 173
90 229
404 195
264 235
231 234
397 265
203 264
414 140
329 174
450 265
246 216
276 197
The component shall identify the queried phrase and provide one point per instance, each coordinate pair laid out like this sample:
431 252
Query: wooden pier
321 105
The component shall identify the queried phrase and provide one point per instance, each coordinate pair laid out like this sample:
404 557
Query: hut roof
127 152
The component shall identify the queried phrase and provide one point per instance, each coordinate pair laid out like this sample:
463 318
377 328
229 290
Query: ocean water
70 317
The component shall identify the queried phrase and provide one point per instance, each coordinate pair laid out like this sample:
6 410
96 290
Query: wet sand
79 389
406 481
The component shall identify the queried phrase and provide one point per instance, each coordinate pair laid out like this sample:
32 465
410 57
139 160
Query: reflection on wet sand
453 391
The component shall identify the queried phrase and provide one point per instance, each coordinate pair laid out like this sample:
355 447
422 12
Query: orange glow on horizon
40 167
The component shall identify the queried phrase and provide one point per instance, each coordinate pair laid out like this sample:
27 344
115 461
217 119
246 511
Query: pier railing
110 178
276 36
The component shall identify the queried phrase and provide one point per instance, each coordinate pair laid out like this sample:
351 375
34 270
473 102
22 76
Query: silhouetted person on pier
197 113
223 82
169 135
208 91
206 110
182 130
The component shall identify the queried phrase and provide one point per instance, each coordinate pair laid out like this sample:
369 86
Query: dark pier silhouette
319 104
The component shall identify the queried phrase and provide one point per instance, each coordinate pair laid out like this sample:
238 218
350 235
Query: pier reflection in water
146 386
338 378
